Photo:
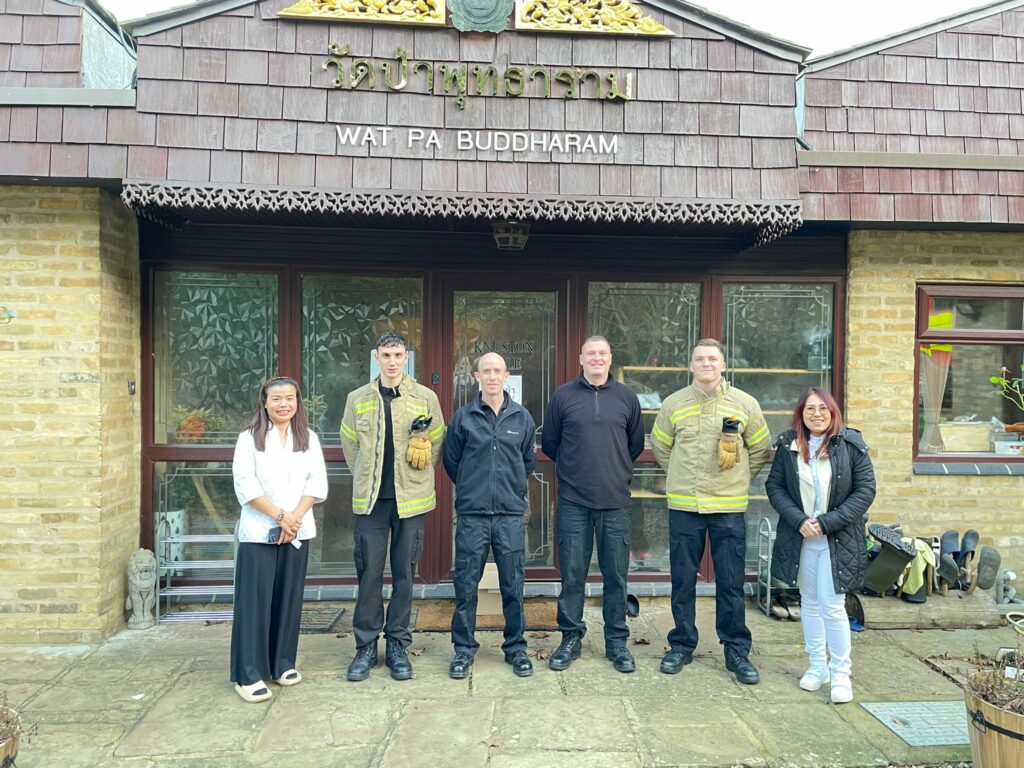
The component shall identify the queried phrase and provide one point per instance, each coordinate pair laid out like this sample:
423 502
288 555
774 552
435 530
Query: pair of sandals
786 607
962 566
258 691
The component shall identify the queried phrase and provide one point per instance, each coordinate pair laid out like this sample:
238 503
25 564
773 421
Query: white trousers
822 611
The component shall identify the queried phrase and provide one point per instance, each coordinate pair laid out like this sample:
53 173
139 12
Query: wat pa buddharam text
463 80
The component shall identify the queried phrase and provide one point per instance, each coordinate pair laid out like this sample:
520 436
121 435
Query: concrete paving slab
591 723
363 723
290 728
880 671
71 745
504 758
792 731
453 734
679 732
122 700
175 725
190 717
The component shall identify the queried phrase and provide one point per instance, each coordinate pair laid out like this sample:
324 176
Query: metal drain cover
923 723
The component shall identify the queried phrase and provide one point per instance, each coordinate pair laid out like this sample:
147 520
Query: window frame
976 337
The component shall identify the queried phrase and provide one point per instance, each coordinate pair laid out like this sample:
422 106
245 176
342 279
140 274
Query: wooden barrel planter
9 747
997 736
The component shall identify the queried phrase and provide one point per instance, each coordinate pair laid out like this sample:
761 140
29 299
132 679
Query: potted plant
995 713
11 732
194 425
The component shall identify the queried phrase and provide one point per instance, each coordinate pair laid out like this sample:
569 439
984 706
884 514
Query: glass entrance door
525 327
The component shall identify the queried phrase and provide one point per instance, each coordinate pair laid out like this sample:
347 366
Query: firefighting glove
419 450
729 444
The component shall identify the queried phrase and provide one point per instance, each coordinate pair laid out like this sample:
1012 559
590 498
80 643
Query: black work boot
569 649
520 662
621 658
745 672
672 663
364 660
459 667
397 661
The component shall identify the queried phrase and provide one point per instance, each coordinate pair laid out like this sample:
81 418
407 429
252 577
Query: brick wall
885 267
69 483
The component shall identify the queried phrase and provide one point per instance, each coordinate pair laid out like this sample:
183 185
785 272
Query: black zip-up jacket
851 492
594 434
490 458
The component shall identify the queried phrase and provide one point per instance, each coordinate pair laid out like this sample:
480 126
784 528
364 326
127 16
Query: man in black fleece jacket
489 455
594 432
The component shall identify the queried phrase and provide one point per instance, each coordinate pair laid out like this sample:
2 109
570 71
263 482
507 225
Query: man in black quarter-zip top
594 432
489 455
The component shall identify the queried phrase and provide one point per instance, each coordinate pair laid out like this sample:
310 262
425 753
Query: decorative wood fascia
167 202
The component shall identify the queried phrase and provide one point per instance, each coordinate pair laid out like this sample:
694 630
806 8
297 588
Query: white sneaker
814 678
842 690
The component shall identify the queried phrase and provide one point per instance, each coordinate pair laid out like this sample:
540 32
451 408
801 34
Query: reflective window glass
214 344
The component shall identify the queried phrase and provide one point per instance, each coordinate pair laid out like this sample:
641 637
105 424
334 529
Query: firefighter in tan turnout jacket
713 440
392 434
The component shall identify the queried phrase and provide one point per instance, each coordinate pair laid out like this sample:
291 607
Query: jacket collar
406 386
852 436
593 388
721 391
507 406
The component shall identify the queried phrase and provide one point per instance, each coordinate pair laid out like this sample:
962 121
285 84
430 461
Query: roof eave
775 46
782 49
899 38
183 14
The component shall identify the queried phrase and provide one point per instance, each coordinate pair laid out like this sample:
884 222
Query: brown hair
708 343
260 423
589 339
803 433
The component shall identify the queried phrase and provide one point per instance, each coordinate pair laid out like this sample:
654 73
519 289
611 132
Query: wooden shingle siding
243 97
961 84
40 44
955 92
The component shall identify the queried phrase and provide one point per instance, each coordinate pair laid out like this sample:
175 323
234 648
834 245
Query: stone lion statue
141 599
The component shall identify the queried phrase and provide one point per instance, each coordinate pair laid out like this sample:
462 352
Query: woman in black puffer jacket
821 484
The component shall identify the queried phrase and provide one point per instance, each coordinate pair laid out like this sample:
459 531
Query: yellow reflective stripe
736 413
662 437
722 504
414 408
436 434
348 432
758 436
412 506
359 503
717 501
685 413
366 406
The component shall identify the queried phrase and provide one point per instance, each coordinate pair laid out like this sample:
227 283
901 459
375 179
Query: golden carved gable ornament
607 17
601 17
414 12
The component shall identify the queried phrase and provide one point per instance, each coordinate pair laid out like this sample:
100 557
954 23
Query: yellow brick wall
69 482
885 268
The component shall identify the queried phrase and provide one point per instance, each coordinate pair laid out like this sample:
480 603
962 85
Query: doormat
320 620
924 723
436 615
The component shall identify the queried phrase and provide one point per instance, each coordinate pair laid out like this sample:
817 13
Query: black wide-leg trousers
269 582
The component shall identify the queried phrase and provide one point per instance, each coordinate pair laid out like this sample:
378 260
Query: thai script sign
463 80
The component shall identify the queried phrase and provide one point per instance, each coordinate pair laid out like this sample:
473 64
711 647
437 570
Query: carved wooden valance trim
760 222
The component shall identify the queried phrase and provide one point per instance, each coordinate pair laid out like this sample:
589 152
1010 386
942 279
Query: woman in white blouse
279 475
